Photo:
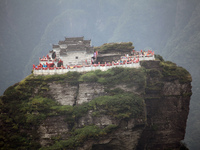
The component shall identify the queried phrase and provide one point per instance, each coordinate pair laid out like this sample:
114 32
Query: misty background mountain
171 28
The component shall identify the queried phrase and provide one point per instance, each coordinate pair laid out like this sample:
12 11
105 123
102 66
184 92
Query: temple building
73 51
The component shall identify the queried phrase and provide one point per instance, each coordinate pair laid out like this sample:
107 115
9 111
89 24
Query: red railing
39 67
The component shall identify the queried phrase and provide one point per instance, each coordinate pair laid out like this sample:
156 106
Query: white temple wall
76 58
63 46
56 49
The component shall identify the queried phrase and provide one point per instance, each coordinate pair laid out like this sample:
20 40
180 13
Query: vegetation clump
118 75
70 77
173 72
115 46
120 106
158 57
78 136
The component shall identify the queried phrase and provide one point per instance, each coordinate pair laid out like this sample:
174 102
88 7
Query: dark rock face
52 127
167 112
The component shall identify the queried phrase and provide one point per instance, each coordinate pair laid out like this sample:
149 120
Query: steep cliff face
119 109
127 129
167 98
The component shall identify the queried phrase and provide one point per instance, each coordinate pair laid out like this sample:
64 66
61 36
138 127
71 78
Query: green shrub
35 119
70 77
62 109
89 77
158 57
121 106
41 104
78 136
129 76
115 91
171 70
115 46
80 110
154 73
105 74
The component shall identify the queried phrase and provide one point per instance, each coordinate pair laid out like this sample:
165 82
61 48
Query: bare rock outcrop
162 126
122 108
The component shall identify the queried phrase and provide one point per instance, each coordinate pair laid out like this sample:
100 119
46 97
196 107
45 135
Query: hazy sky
28 28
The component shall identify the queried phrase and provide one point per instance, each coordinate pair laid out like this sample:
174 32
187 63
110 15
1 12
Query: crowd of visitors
54 63
48 63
